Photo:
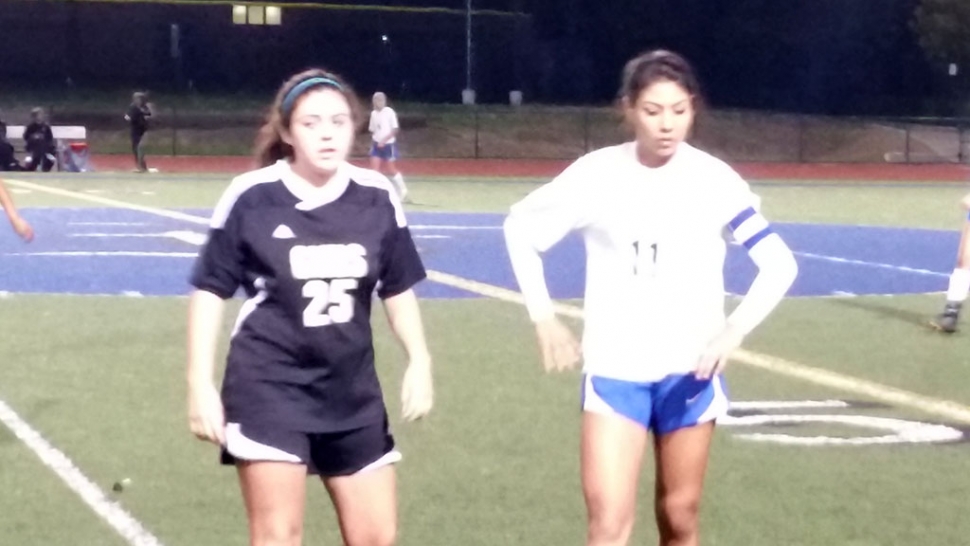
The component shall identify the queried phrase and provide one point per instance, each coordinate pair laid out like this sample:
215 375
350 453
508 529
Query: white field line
110 511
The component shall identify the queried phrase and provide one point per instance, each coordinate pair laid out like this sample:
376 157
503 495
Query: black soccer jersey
301 355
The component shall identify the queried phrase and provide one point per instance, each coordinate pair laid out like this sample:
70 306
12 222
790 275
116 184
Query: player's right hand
206 416
22 228
560 350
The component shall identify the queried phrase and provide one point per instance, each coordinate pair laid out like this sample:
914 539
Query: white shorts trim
592 402
391 457
246 449
243 448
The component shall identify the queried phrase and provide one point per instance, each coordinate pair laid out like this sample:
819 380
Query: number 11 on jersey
646 262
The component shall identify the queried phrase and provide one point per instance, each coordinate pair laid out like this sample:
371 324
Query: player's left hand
417 390
22 228
715 357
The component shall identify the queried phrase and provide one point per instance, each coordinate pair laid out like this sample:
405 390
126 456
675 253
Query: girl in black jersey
309 238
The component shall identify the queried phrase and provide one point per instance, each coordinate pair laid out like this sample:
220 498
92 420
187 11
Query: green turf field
496 463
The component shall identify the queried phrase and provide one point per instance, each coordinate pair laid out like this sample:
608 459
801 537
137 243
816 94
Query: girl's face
321 131
662 117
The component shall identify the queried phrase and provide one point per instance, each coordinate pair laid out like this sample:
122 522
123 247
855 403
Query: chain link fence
537 132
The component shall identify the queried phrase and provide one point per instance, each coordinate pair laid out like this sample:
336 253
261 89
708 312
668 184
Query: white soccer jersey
655 249
383 123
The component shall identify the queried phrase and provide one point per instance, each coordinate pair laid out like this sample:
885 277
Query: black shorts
326 454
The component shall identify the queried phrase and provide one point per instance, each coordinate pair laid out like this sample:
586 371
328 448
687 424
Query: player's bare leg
612 452
366 506
681 464
274 494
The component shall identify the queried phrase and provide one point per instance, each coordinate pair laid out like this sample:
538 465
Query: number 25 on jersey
330 302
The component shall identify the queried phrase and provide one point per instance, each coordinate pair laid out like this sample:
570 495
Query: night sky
813 56
833 56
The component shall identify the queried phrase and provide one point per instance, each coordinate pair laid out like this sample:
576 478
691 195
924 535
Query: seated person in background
8 161
39 142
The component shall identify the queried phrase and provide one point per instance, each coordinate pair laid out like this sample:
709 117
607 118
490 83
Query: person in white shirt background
384 128
654 214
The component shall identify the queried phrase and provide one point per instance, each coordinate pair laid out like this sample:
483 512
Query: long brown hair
270 147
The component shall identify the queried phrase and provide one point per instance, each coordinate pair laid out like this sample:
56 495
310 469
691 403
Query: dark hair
648 68
270 147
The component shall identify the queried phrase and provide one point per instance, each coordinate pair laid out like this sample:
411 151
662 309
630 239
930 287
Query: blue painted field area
116 251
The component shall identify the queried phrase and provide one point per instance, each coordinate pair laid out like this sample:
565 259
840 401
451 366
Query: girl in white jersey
384 129
653 213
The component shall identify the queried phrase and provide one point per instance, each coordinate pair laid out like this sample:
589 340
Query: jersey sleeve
537 223
777 268
549 213
739 211
392 119
219 266
372 125
400 264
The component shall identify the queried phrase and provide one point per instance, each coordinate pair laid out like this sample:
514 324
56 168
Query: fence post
586 129
801 137
961 137
175 134
477 130
906 151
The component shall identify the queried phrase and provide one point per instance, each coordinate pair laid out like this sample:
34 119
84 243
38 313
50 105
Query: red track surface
549 168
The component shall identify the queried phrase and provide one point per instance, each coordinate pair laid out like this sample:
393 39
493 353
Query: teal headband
290 99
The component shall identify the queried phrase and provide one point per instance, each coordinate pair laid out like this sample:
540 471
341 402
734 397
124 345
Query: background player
956 293
137 116
384 128
309 238
656 339
19 225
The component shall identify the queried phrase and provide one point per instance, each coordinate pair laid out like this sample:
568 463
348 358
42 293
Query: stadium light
239 15
256 15
274 15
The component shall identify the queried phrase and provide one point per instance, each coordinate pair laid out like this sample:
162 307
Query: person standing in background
137 117
384 129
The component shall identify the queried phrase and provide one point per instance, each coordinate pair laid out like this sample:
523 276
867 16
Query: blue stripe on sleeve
741 217
757 237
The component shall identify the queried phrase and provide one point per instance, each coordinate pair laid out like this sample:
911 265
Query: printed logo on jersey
332 272
283 231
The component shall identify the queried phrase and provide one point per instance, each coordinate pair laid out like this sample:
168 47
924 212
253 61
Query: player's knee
277 533
677 515
608 526
376 535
